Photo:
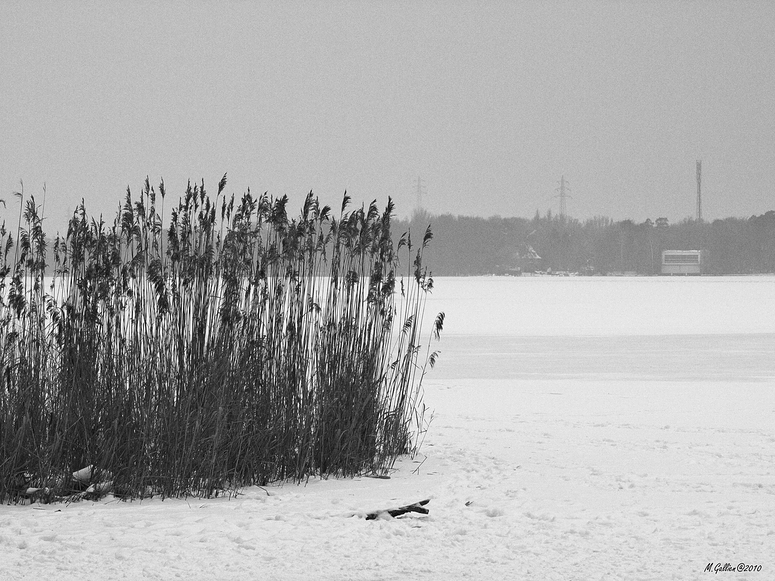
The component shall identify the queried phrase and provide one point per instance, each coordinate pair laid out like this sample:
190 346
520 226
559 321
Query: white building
682 262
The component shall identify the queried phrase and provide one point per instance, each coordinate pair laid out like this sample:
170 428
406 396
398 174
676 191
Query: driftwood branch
414 507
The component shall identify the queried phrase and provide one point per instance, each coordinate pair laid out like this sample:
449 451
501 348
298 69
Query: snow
627 434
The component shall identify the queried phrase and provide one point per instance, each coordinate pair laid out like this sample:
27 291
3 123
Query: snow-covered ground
584 428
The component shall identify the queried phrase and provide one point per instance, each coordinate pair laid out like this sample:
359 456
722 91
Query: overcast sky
490 103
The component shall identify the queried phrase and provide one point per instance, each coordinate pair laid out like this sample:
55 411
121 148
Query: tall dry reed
236 346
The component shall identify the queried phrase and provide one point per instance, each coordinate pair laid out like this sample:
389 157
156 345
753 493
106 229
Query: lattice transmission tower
419 193
563 196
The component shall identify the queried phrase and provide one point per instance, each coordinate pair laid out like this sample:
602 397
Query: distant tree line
465 245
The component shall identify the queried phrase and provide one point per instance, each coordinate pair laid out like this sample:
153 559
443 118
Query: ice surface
649 357
581 306
583 429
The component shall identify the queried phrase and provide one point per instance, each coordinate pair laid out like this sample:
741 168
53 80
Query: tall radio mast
699 190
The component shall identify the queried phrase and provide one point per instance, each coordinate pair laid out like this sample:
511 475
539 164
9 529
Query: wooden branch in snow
414 507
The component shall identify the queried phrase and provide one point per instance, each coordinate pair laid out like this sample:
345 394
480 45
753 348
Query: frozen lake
605 306
708 328
648 357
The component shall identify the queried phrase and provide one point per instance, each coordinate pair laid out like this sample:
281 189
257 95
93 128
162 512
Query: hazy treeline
469 246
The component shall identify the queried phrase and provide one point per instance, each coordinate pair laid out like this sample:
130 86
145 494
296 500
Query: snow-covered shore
620 456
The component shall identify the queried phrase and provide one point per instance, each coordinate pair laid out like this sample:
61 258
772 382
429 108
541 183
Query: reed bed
235 346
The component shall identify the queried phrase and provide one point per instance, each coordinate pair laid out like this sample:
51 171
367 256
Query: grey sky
490 102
